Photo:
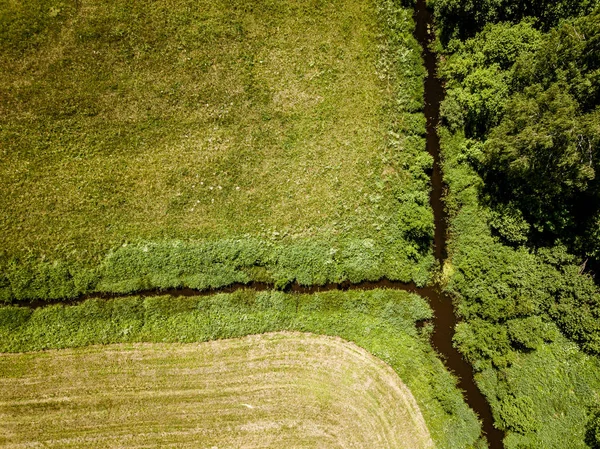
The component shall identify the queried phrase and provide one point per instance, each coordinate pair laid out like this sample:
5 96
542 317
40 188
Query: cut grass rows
269 391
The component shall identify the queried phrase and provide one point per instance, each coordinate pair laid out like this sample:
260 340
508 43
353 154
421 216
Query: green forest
520 132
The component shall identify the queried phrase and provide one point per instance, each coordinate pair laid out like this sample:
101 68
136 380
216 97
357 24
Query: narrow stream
445 319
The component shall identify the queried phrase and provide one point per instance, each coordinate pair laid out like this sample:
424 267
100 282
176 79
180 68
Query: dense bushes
381 321
514 304
463 19
204 265
593 430
536 146
529 101
521 146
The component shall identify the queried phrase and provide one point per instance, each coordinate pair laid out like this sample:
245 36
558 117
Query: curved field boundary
271 390
383 322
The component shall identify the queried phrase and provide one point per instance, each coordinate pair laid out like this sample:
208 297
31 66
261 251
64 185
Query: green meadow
168 143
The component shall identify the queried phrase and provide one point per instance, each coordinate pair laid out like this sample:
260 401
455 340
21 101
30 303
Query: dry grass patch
272 390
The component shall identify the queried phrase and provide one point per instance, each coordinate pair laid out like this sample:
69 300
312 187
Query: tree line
521 150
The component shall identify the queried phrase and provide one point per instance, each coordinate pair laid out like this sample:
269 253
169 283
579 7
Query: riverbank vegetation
170 143
384 322
521 147
177 143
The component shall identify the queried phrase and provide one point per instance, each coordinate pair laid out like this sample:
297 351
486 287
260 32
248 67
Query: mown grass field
270 391
281 140
382 322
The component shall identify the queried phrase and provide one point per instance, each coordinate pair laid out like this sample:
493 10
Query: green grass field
383 322
281 140
269 391
177 143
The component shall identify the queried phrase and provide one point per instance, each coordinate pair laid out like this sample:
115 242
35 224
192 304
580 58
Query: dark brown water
445 319
434 94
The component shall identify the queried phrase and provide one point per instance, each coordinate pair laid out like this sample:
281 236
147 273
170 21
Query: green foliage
568 55
530 333
576 306
479 103
12 318
516 414
538 150
529 99
534 165
508 222
417 225
204 265
465 18
481 341
479 77
522 195
541 398
592 436
381 321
